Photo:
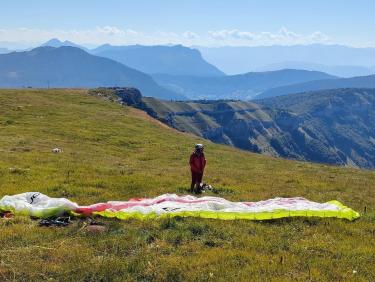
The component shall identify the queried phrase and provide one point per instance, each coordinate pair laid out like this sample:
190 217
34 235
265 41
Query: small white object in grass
56 150
354 271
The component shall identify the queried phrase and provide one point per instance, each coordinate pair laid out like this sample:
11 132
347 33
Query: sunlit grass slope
110 152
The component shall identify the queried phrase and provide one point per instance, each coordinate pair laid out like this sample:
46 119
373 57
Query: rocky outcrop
129 95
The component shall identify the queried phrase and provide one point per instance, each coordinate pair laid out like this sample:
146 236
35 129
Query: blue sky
193 22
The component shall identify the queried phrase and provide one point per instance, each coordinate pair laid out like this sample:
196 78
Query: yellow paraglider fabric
171 205
344 212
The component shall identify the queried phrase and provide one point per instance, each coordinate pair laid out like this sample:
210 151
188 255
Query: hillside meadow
112 152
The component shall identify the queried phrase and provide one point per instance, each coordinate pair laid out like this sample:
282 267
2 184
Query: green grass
114 153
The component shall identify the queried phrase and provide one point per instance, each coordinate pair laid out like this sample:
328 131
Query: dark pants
196 179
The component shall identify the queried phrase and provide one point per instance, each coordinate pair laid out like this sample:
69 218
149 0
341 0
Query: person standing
197 165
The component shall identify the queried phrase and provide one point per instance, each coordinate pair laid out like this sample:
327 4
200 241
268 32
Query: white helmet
199 146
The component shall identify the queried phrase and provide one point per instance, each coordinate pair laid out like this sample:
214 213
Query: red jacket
197 162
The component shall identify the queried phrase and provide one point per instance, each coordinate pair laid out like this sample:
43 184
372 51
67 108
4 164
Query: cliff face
334 127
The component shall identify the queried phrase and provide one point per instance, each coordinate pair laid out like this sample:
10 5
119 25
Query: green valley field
112 152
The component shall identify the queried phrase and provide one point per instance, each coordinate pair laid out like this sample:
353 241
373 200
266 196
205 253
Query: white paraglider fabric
215 207
39 205
36 204
173 203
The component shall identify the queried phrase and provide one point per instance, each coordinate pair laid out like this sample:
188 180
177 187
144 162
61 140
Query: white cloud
267 35
165 34
190 35
319 36
234 33
244 35
97 35
284 32
110 30
123 36
283 36
115 31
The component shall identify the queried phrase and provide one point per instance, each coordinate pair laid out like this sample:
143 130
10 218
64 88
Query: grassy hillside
113 153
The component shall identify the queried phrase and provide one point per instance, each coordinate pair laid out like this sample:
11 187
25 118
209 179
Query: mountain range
340 70
70 67
244 86
174 60
234 60
65 64
330 126
54 42
159 59
336 60
353 82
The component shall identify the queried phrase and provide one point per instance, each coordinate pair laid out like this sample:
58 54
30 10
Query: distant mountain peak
72 67
160 59
52 42
55 42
